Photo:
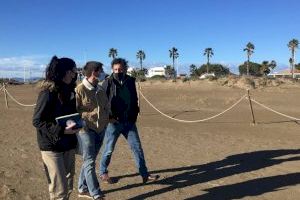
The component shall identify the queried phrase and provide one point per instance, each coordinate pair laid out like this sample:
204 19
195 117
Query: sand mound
254 82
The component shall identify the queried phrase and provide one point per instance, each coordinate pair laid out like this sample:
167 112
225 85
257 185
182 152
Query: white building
160 71
130 70
285 73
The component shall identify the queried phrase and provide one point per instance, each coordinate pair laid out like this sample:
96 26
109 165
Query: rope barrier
192 121
17 102
3 88
279 113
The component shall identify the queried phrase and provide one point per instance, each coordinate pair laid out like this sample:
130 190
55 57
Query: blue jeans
130 132
90 143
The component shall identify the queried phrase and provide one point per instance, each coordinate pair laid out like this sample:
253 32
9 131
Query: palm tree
273 64
113 53
140 55
293 45
174 55
250 50
267 67
193 70
291 63
264 67
208 52
169 71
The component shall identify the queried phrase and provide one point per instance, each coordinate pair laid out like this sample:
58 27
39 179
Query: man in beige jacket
92 104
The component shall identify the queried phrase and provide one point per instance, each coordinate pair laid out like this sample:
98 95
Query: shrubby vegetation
256 69
139 74
217 69
170 72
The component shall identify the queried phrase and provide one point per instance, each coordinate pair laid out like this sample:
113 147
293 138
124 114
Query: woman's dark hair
90 67
57 69
120 61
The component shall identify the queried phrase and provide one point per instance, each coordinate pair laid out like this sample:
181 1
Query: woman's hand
69 129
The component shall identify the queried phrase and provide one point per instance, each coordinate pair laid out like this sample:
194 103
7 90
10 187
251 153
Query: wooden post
250 103
5 95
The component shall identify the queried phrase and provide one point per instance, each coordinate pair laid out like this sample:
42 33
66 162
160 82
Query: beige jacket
92 104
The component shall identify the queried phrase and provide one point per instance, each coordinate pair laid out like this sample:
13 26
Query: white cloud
34 63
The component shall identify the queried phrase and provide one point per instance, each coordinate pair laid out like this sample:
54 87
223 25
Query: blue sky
34 30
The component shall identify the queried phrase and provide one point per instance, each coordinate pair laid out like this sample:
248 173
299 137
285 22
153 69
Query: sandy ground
224 158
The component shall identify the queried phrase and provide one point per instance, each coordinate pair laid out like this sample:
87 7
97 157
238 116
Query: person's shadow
232 165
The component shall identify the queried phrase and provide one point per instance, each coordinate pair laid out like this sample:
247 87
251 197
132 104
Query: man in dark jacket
122 95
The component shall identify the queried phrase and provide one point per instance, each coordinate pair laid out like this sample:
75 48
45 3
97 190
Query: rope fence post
251 108
5 95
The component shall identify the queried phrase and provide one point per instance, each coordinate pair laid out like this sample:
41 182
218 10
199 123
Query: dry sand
224 158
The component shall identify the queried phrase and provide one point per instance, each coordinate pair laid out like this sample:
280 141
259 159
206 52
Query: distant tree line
247 68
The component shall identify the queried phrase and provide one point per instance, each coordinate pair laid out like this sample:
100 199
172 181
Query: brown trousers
60 170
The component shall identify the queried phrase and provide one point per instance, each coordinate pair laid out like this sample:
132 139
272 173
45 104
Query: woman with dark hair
56 142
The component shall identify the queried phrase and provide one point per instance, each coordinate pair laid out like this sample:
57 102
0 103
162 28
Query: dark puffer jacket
50 135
